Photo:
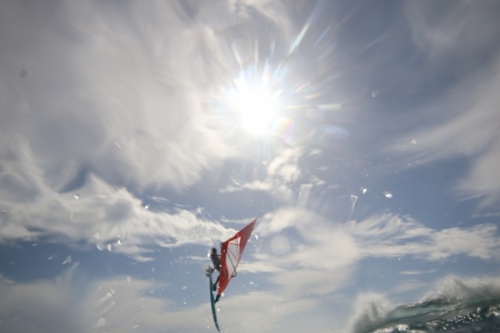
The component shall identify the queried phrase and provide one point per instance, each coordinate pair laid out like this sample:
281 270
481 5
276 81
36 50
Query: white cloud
120 304
281 178
389 235
464 29
320 262
321 256
110 101
99 214
95 96
417 272
70 304
385 235
319 259
41 306
463 121
410 285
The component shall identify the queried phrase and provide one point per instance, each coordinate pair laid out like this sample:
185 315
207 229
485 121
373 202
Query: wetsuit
216 261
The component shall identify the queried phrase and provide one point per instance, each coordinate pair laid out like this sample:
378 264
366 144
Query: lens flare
283 128
254 100
256 108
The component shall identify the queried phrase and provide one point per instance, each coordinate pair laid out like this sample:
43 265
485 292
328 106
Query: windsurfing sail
231 252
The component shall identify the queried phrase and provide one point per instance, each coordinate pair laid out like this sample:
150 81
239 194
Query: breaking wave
456 306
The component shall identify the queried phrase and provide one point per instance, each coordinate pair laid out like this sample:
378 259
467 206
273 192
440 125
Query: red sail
231 252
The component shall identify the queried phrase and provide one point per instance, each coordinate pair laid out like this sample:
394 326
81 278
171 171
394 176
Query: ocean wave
456 306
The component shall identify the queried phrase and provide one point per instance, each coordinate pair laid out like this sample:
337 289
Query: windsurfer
215 257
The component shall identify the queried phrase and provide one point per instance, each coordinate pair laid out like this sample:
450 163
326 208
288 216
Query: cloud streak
109 103
324 255
98 214
465 117
78 87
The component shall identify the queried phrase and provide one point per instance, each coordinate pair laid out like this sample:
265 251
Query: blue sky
137 135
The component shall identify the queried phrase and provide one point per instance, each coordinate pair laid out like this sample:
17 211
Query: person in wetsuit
215 257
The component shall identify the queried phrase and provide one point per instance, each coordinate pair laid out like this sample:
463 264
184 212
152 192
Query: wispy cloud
117 304
124 304
282 175
463 121
25 305
109 105
325 255
99 213
76 102
392 235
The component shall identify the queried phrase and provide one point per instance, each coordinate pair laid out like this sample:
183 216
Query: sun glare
256 110
255 105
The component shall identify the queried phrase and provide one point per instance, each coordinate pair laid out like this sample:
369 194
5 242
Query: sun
256 109
255 104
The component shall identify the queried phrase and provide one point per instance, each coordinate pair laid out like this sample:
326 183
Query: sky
135 136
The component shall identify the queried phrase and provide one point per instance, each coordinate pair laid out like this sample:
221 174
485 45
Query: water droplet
375 93
97 235
100 322
413 142
354 198
110 247
129 278
100 246
388 194
146 206
67 260
256 236
364 190
52 257
76 196
184 287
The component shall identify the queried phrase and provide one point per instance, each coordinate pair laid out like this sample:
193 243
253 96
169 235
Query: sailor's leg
216 282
